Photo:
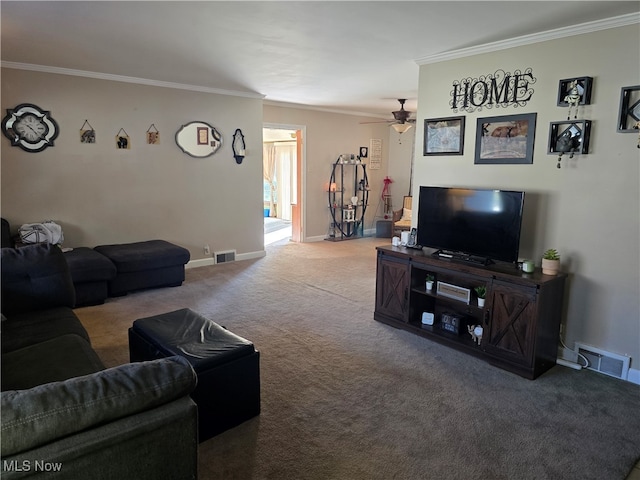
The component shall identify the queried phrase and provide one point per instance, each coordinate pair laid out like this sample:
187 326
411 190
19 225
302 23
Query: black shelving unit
348 184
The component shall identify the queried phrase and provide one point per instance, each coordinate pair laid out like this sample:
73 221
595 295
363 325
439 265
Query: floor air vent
605 362
224 257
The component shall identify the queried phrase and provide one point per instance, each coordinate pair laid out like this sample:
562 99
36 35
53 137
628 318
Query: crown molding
276 103
122 78
582 28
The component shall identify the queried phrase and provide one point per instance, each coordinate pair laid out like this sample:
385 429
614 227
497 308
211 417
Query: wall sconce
238 146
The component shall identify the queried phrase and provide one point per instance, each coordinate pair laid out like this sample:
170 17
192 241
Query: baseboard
201 262
205 262
251 255
317 238
634 376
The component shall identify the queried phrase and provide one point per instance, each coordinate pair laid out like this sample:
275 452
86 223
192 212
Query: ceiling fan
401 122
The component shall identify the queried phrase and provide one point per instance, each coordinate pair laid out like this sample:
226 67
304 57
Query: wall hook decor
238 146
573 92
569 137
153 135
123 142
629 114
87 135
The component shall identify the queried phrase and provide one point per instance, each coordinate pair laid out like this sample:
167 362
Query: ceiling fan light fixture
401 127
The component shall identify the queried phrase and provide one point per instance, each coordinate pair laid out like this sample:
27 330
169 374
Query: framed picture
629 114
505 139
444 136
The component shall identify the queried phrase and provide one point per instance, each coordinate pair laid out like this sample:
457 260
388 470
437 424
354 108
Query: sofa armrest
42 414
150 445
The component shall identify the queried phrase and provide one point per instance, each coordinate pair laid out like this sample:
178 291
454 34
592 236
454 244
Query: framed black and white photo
444 136
505 139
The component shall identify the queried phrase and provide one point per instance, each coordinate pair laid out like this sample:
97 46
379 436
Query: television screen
480 223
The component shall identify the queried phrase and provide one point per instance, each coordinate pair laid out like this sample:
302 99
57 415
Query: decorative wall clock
29 127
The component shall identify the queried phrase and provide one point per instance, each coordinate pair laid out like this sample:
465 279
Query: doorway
282 170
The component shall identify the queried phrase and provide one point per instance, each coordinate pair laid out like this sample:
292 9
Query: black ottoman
91 273
228 366
141 265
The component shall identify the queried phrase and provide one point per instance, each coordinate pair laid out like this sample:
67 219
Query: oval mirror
198 139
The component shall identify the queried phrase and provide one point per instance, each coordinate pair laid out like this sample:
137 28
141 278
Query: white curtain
280 173
269 172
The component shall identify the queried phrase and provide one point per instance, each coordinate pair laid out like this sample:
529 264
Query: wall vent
605 362
224 256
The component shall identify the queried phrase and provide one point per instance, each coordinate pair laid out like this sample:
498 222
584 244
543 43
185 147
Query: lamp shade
401 127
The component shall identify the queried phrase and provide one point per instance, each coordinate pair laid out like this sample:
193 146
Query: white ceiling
348 56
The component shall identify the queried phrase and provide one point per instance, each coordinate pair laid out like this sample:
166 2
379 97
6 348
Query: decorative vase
481 302
429 285
550 267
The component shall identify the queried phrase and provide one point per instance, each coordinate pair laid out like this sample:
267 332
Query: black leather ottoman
91 273
228 366
141 265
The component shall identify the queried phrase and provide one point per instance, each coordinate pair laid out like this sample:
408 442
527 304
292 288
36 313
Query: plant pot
429 285
481 302
550 267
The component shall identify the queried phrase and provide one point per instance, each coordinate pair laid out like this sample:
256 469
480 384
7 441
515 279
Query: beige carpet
346 397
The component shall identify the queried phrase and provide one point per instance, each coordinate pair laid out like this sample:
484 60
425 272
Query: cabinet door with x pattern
511 314
392 288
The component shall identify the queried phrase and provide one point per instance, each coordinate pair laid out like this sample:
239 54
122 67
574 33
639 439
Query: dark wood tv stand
520 319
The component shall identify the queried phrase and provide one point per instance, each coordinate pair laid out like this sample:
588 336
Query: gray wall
102 195
327 136
589 209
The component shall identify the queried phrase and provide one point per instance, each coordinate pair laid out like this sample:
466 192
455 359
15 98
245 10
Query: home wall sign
499 89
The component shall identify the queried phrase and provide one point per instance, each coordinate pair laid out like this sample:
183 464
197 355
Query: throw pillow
406 214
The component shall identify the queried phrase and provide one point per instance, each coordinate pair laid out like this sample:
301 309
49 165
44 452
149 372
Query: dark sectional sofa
115 270
63 414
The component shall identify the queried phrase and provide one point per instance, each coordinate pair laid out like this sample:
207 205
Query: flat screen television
472 224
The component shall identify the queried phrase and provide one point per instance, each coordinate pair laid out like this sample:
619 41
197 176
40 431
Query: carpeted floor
346 397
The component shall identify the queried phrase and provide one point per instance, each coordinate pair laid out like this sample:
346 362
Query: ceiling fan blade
381 121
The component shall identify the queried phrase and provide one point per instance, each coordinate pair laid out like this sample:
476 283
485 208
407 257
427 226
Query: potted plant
481 292
550 262
429 279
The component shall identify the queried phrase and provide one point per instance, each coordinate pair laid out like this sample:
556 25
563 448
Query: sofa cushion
47 412
55 360
35 277
87 265
149 255
24 329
